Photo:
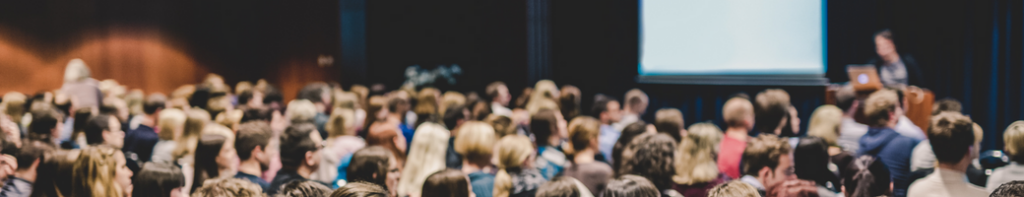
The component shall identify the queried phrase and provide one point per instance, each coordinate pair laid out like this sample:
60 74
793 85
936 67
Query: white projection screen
732 42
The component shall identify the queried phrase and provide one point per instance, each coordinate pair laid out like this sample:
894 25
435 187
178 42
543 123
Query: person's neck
584 156
304 171
960 167
893 58
149 120
251 167
739 133
471 167
396 116
497 103
27 174
554 141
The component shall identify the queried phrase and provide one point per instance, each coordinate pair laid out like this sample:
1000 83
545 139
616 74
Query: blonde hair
340 123
1013 138
346 100
544 90
170 121
695 158
825 122
512 152
502 125
94 171
736 110
300 110
134 98
735 188
426 156
475 141
452 98
194 124
426 101
582 130
14 105
230 119
878 106
76 71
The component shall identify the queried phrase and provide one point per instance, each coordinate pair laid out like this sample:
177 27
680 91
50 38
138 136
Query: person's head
846 96
101 171
825 123
14 105
104 129
171 123
498 93
376 109
31 155
515 152
952 137
427 155
45 125
884 45
375 165
75 71
543 90
651 156
628 133
560 186
881 108
569 101
427 103
771 112
228 187
630 186
1013 139
768 158
300 145
159 180
738 112
695 162
340 123
546 124
1009 189
387 135
305 188
670 121
946 105
479 110
583 134
451 98
397 104
606 109
866 176
214 152
300 111
636 101
502 125
318 92
154 103
447 183
735 188
811 160
360 189
475 142
455 115
251 143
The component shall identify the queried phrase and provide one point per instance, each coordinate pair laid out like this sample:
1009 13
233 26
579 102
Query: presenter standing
894 70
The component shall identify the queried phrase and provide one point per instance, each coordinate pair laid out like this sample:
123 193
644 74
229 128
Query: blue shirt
254 179
606 141
141 141
483 183
342 172
894 150
407 133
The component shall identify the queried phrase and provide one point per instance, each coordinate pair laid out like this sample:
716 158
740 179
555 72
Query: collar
752 181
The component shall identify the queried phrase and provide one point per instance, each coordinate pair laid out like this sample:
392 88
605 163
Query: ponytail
513 150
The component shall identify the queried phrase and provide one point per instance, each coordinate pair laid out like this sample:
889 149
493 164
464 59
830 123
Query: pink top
731 151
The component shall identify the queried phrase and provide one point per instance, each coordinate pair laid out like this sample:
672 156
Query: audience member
606 109
1009 189
475 142
549 129
503 125
652 156
1013 139
923 161
670 121
738 114
635 105
630 132
543 91
446 183
850 130
569 101
375 165
399 108
159 180
946 105
215 156
767 161
172 126
866 176
516 176
251 144
426 156
101 171
583 134
104 130
825 123
387 135
811 162
794 188
139 141
225 187
318 93
376 110
904 126
500 98
952 139
428 107
772 114
563 186
78 83
339 145
630 186
45 127
696 170
28 157
734 188
455 116
306 188
360 189
883 142
300 157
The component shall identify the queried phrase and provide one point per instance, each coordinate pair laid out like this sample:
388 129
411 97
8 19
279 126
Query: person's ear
764 172
309 158
35 163
258 150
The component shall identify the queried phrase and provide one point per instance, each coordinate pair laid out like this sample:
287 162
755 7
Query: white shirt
500 110
905 127
1005 174
922 157
945 182
850 132
627 119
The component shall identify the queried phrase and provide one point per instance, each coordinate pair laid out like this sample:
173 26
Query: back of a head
570 101
157 179
560 186
631 186
426 101
250 135
825 122
770 107
170 120
43 123
637 100
295 142
93 172
582 131
383 134
696 160
368 164
492 90
153 103
543 124
207 150
228 187
502 125
1013 139
446 183
628 133
453 114
866 176
1010 189
475 141
811 160
951 136
669 121
512 151
652 157
879 106
845 97
30 152
314 92
94 129
601 104
735 188
340 122
763 151
427 155
360 189
75 71
736 110
303 189
946 105
300 111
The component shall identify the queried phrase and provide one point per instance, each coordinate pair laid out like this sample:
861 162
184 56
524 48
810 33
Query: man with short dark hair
606 109
454 116
670 121
767 162
46 125
1011 189
300 154
251 143
635 106
104 130
885 143
952 139
28 158
500 97
139 142
772 113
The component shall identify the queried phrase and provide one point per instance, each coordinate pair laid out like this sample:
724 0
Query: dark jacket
894 150
915 76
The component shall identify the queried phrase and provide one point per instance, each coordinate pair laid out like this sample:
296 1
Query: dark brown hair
763 151
951 135
251 135
369 164
94 128
770 107
446 183
43 122
207 151
652 157
295 142
628 133
543 124
669 121
560 186
158 179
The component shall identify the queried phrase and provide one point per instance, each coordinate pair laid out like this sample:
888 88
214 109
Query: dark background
969 50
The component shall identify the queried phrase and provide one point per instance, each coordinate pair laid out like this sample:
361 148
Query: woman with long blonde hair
426 156
516 175
696 170
101 171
